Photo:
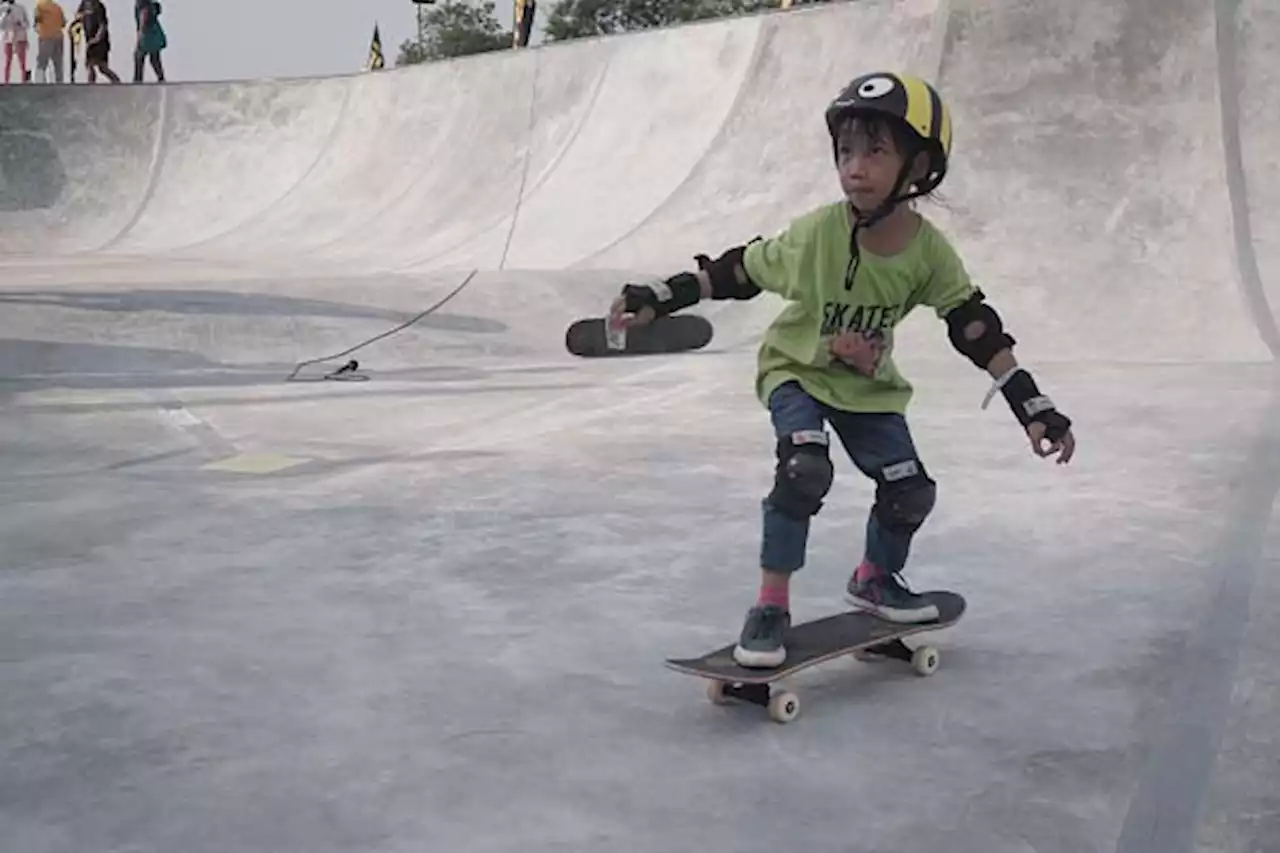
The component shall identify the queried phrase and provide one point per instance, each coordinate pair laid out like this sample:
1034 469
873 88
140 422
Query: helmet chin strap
860 221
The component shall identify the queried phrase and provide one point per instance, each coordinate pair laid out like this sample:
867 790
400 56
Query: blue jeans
878 444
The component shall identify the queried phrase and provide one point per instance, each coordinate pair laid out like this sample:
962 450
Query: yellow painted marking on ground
63 397
255 463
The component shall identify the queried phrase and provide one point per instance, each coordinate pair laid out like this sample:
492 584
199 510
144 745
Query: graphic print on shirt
874 322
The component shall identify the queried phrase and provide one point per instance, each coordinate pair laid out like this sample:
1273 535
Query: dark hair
868 128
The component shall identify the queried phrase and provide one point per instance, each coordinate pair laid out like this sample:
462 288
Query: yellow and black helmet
908 99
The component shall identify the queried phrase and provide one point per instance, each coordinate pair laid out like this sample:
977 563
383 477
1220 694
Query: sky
277 38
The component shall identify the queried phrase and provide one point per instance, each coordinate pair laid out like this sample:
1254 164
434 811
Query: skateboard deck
811 643
675 333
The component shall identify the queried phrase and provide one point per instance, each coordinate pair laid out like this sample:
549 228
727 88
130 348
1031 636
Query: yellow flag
376 61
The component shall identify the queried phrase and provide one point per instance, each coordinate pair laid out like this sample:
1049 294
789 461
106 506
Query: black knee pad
803 475
905 496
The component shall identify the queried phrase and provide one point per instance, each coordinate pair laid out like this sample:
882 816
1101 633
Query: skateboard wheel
925 660
715 692
784 706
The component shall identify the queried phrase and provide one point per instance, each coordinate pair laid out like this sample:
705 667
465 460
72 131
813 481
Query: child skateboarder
850 272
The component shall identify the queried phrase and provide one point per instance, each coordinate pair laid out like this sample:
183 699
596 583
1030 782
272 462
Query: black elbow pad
728 274
992 339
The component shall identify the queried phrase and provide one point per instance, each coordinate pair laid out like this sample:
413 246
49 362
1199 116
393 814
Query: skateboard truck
782 706
898 650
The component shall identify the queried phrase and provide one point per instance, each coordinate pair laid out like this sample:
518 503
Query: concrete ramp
76 169
1248 42
251 603
1091 190
1105 168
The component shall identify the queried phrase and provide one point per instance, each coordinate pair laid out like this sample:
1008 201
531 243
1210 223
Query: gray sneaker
761 642
888 597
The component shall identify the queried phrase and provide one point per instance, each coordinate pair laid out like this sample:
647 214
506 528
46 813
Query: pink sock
778 595
865 571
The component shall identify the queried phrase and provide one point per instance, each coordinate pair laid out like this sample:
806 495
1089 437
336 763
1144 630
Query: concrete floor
428 611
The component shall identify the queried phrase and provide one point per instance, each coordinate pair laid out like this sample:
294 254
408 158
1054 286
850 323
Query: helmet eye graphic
876 87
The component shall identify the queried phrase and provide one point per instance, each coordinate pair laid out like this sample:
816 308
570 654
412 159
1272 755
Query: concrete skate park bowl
243 607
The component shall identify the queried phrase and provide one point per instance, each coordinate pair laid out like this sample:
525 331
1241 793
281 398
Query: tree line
450 28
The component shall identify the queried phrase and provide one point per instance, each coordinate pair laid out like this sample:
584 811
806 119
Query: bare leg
106 72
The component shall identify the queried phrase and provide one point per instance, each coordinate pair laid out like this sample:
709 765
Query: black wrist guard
664 297
1029 405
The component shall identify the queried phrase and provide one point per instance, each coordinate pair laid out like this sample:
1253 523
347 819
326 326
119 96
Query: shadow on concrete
32 176
224 303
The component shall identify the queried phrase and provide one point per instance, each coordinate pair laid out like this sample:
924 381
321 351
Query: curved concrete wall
1111 186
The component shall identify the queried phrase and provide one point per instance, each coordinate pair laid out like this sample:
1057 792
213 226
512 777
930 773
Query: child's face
868 162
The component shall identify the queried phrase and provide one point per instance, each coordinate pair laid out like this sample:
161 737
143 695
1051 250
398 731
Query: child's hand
619 316
1065 445
860 350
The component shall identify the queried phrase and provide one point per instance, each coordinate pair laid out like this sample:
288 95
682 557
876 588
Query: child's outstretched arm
977 332
723 278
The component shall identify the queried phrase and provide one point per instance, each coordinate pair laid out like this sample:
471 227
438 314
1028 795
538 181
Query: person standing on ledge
151 39
97 41
14 23
51 23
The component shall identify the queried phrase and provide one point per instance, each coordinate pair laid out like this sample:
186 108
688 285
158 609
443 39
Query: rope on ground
347 373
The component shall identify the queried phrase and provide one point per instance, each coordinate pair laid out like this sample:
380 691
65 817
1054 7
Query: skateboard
809 643
588 338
